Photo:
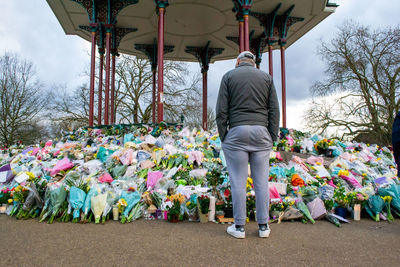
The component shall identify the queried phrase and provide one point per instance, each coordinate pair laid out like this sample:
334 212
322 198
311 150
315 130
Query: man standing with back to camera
248 124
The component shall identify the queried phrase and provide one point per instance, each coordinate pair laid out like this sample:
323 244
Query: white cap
246 54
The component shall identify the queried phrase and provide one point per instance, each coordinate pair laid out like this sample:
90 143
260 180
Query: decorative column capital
94 27
151 51
109 28
114 52
161 4
283 23
204 54
242 7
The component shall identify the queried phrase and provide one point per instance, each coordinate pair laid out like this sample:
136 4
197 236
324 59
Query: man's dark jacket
247 96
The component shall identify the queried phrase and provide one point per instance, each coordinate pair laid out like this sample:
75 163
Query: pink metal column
92 78
107 88
241 36
204 100
246 32
113 88
160 57
283 74
99 111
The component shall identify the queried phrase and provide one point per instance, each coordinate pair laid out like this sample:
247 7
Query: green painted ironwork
161 4
257 44
267 21
150 50
204 54
283 24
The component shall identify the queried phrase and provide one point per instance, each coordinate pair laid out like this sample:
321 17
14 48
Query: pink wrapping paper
106 178
127 157
331 184
152 178
300 162
62 165
313 160
351 180
35 151
273 193
290 140
195 156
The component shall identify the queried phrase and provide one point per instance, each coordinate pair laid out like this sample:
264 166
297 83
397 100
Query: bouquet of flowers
303 208
374 206
19 194
174 210
98 203
121 205
76 199
5 196
322 146
131 198
111 197
204 203
191 209
356 198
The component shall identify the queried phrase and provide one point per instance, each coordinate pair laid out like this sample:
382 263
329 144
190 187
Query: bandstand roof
192 23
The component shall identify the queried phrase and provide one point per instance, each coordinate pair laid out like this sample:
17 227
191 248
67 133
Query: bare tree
134 89
360 95
22 98
70 110
133 96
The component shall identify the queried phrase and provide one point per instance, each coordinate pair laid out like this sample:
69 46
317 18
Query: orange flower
297 181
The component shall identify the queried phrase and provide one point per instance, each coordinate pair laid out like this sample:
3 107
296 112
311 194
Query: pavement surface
151 243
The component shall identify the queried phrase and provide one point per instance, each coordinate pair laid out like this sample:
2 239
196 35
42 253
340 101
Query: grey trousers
242 145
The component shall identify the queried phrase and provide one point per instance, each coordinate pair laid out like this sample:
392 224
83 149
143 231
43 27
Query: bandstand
183 30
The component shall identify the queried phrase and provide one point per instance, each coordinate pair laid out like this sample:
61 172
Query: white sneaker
264 231
236 232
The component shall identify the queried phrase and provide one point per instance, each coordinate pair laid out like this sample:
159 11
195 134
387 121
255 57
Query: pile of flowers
167 172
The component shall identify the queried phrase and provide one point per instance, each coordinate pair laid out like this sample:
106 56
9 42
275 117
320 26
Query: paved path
151 243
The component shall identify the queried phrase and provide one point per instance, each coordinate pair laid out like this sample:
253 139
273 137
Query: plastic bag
374 206
103 153
330 218
131 198
76 199
119 171
303 208
326 192
291 213
142 155
316 208
152 178
111 198
97 205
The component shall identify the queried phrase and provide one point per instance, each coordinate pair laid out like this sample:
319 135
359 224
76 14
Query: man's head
246 56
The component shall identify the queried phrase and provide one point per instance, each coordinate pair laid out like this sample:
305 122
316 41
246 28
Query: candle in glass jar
357 211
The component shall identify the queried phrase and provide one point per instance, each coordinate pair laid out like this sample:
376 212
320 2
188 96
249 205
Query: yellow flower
122 203
342 172
10 201
379 159
31 175
318 163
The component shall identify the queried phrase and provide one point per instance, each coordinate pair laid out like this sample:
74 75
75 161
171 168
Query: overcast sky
30 29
